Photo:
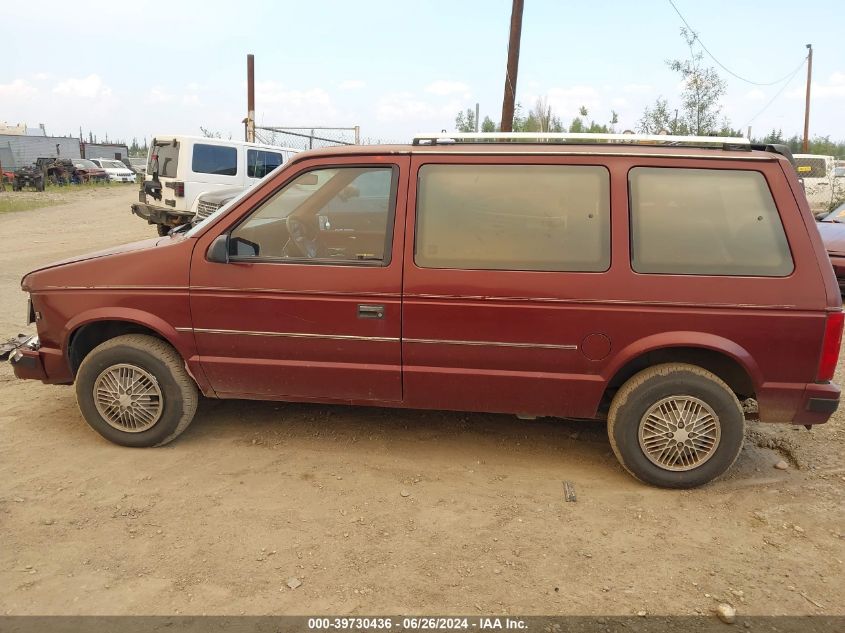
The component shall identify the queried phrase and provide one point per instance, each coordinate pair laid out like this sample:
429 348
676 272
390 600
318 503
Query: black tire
649 387
179 395
163 229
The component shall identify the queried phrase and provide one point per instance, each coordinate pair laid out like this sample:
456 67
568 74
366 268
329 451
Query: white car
117 171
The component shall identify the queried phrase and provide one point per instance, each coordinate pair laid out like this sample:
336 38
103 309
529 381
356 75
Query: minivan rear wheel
134 390
676 426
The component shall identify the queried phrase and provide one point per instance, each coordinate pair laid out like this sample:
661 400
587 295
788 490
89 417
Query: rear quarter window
215 159
513 217
705 222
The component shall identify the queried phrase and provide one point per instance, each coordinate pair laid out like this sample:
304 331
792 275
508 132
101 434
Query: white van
816 171
180 168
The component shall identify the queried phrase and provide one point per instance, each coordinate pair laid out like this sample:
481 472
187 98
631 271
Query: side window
337 215
215 159
705 222
513 217
259 163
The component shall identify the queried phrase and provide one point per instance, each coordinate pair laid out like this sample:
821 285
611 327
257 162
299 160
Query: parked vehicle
209 202
58 171
138 164
88 171
179 168
832 230
116 170
28 176
816 172
674 287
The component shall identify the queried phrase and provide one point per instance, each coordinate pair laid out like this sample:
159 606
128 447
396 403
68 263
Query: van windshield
164 159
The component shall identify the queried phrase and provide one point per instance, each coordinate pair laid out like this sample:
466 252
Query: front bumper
161 215
26 360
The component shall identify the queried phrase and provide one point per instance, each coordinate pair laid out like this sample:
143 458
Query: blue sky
399 67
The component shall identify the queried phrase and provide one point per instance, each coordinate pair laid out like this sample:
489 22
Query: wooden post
513 67
806 144
250 98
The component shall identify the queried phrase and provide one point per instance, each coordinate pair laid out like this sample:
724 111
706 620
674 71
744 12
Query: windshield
164 159
113 164
84 164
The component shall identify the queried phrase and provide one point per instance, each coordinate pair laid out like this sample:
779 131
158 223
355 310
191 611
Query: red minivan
672 286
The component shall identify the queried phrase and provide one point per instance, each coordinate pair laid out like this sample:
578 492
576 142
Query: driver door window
337 215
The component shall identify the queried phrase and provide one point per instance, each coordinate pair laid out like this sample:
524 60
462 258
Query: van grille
205 209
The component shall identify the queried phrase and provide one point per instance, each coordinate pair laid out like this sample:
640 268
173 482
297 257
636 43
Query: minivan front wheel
134 390
676 426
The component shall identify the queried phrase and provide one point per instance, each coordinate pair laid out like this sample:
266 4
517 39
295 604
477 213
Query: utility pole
806 145
513 66
250 98
476 116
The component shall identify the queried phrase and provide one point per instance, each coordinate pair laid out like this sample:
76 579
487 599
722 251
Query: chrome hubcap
128 398
679 433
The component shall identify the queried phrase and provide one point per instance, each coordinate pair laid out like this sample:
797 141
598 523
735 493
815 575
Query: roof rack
451 138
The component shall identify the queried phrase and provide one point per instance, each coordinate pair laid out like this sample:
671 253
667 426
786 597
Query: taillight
830 346
178 188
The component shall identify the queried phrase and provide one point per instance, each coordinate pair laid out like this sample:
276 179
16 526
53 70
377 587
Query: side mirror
218 252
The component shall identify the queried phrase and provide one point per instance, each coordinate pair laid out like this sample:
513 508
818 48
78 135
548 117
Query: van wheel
676 426
135 391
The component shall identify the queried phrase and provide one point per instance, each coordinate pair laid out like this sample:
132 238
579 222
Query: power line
725 68
778 93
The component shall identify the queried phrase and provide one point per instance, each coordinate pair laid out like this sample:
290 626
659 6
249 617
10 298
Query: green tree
656 118
487 125
579 124
703 89
775 136
727 130
465 121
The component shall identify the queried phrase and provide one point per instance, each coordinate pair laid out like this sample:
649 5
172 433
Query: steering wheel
303 238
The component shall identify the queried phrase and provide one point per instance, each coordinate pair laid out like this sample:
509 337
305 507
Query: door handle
368 311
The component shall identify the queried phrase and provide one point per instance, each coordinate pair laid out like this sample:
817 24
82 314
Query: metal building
17 150
111 151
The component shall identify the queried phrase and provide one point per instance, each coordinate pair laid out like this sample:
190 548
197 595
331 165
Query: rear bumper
819 403
161 215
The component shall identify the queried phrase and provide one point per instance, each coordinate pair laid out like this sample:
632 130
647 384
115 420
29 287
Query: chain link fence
303 138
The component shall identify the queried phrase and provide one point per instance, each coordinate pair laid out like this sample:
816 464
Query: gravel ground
382 511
